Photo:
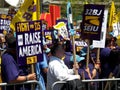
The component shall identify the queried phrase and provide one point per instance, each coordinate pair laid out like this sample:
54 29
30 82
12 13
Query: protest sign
92 21
80 44
101 43
48 37
5 21
62 30
29 42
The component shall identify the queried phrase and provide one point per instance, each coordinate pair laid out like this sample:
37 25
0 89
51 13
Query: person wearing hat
11 73
90 72
86 73
81 63
78 58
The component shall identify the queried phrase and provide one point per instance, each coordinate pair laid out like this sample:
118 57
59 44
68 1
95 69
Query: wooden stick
74 53
32 71
98 56
87 57
108 82
92 60
83 75
32 68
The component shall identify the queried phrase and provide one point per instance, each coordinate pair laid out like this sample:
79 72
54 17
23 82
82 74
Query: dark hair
11 41
55 47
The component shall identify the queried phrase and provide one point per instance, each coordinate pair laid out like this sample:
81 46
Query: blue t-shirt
38 67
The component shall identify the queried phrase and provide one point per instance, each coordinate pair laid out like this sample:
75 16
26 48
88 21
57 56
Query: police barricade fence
32 82
96 84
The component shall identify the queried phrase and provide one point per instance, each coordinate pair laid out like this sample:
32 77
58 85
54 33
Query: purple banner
48 37
92 21
29 42
5 21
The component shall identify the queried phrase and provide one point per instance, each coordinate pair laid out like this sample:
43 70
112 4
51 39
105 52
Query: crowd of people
58 63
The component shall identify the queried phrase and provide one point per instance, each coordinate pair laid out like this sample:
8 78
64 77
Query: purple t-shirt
10 70
82 69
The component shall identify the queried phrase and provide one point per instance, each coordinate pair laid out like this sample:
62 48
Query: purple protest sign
5 21
48 37
29 42
92 21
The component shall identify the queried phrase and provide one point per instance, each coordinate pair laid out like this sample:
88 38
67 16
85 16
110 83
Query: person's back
8 74
11 73
52 75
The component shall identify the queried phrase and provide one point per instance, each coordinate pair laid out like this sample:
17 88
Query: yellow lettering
37 26
22 27
31 60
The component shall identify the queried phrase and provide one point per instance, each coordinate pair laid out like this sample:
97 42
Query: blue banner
69 17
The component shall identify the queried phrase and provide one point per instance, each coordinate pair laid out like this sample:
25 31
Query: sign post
88 53
72 32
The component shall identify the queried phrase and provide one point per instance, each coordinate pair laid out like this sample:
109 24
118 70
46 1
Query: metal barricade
56 83
96 84
32 82
102 84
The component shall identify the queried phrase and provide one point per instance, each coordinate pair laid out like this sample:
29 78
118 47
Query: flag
113 19
36 13
118 14
47 18
69 17
55 12
25 13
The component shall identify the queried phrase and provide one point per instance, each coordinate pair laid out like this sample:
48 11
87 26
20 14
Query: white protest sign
81 43
62 29
101 43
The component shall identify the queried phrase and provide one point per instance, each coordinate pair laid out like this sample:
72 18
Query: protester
42 68
57 70
78 60
11 11
68 54
9 66
104 58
